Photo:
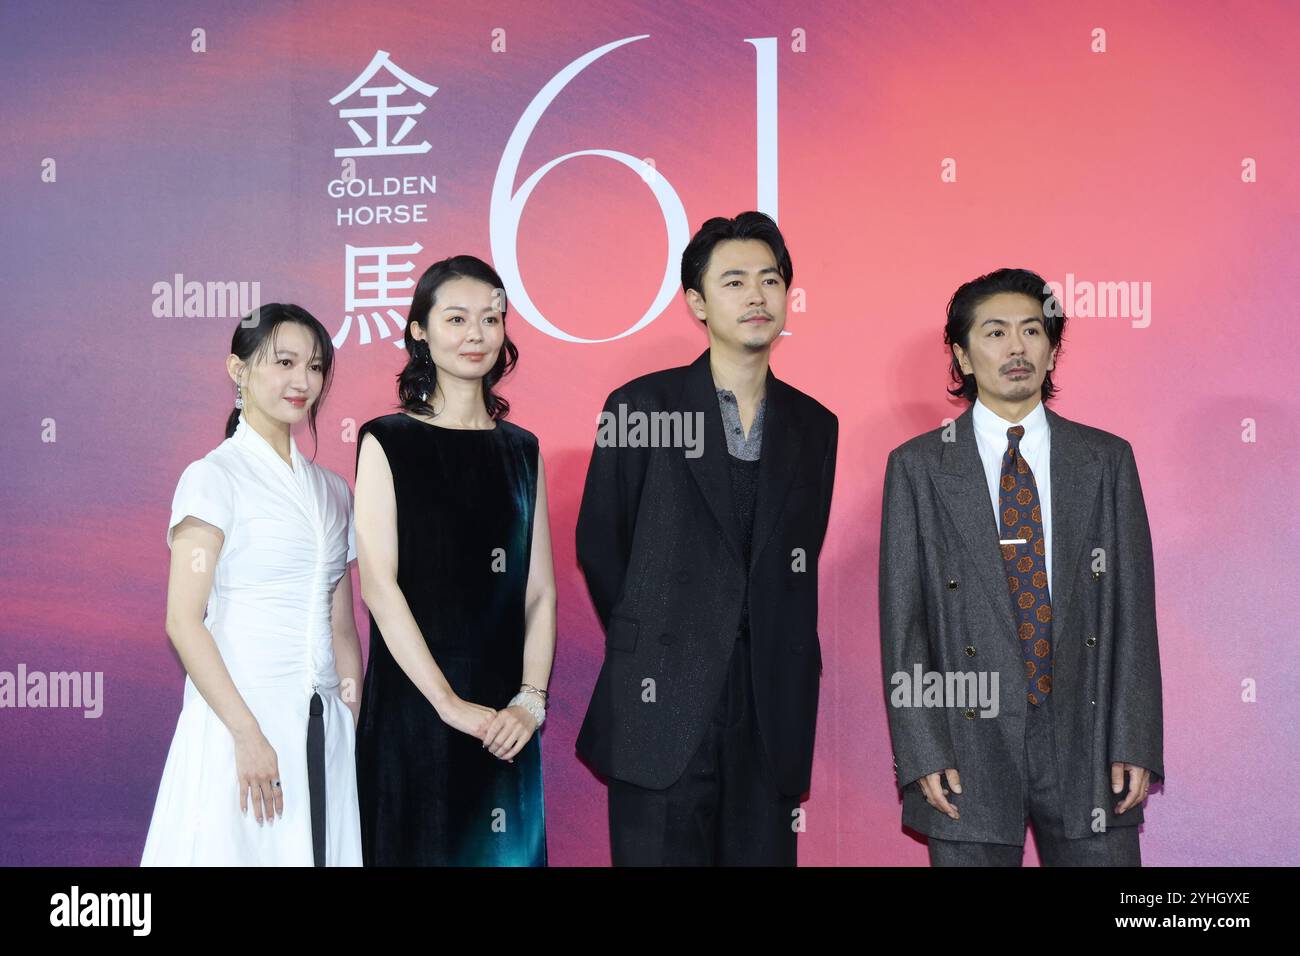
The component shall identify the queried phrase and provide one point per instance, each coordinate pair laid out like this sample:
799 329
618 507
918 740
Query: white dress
288 540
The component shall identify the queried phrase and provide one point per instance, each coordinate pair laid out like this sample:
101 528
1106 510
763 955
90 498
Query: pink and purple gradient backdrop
1119 166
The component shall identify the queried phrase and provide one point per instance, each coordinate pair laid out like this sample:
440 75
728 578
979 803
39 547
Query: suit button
968 714
666 638
970 650
1091 641
952 584
683 577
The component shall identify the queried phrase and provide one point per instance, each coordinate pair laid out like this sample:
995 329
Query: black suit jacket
659 544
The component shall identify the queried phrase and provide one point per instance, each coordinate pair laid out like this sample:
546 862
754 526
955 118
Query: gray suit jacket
945 606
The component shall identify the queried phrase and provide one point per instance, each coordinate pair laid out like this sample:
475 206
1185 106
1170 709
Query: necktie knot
1014 434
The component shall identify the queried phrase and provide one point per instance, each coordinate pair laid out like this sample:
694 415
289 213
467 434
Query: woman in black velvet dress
455 563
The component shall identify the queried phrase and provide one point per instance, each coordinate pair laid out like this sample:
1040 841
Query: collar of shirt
249 438
991 431
739 445
1036 448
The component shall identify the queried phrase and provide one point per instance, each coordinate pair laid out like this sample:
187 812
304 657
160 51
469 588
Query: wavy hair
417 381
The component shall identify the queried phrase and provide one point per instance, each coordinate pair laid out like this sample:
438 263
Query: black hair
748 225
961 316
256 335
420 375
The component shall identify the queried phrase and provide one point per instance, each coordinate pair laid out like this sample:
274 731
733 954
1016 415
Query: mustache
1028 366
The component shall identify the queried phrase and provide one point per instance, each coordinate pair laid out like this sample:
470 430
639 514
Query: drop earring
239 396
425 358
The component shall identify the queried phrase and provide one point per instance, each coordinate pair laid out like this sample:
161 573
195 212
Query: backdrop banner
168 167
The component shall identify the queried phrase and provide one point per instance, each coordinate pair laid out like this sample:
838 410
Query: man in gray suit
1017 607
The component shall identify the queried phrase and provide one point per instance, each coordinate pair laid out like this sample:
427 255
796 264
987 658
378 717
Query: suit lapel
711 468
1075 480
964 490
776 462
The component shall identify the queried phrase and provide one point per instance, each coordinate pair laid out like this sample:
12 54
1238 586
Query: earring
239 396
425 358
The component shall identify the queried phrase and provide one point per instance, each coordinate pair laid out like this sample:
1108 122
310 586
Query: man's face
1007 349
744 299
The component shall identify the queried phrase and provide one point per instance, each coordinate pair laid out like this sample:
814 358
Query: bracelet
530 704
545 695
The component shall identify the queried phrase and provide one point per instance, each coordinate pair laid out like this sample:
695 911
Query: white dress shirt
1035 447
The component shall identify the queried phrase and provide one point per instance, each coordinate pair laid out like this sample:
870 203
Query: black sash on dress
316 776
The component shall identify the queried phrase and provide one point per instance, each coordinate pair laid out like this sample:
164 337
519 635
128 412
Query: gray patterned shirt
739 445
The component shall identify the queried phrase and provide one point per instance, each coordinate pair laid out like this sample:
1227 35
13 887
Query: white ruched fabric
288 540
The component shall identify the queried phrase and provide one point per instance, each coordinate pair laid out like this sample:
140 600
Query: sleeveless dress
431 795
288 540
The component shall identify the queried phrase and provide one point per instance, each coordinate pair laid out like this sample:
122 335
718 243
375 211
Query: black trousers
1118 846
724 810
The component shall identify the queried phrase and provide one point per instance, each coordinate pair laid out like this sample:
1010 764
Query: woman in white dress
261 769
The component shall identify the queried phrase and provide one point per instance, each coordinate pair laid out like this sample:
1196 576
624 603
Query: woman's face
283 380
465 328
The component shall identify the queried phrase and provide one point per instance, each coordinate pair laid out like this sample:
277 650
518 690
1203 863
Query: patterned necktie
1020 516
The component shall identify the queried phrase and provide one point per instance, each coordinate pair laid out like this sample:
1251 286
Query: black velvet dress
430 795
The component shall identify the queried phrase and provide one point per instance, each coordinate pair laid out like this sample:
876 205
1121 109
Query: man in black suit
1015 555
701 524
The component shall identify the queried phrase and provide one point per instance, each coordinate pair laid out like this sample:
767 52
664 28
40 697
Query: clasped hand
503 732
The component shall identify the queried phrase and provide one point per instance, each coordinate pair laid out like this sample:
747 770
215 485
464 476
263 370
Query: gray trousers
1118 846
